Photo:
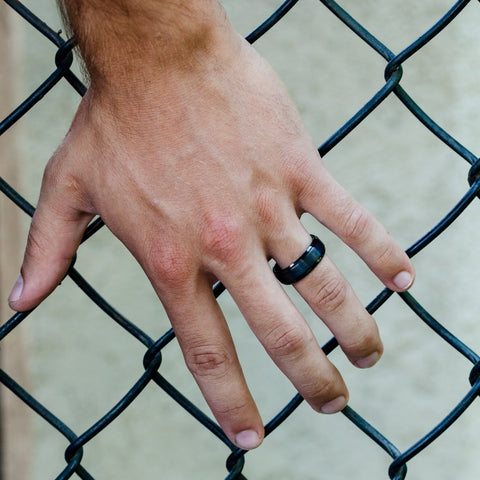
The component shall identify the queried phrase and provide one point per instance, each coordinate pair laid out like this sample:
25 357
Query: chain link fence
154 348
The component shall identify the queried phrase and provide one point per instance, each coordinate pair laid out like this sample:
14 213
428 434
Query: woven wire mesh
153 347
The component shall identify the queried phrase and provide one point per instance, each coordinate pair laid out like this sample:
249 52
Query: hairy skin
190 149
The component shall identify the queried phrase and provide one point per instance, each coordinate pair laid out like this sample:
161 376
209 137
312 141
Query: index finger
335 208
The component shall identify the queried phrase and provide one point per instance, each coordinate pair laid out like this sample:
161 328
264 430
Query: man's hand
198 161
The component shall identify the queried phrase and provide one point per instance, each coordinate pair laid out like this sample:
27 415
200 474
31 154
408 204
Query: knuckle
37 243
55 175
72 186
64 190
386 252
232 410
305 180
221 238
287 340
268 210
356 226
42 243
331 294
169 266
208 361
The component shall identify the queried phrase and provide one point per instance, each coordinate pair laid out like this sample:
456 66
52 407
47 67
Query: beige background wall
80 364
15 434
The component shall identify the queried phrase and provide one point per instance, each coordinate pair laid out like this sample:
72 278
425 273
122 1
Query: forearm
123 39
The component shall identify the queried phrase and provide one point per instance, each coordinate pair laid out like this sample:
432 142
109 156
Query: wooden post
15 435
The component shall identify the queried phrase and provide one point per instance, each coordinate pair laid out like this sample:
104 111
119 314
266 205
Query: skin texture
190 149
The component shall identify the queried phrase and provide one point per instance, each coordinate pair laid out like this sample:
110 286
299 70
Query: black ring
304 265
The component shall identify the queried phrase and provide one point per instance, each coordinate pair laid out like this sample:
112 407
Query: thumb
55 234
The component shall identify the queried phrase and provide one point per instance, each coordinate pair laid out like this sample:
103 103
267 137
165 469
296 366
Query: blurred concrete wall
15 434
80 364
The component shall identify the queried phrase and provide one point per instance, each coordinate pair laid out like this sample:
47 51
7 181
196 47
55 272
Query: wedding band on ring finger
301 267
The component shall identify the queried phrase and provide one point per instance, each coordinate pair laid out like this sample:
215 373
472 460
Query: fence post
15 437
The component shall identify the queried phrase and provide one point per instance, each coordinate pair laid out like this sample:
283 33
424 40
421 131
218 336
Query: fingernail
403 280
368 361
248 439
16 290
334 406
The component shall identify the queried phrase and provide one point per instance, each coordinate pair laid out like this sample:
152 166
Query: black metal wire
152 359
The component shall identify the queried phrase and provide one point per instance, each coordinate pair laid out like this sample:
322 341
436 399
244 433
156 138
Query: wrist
124 42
